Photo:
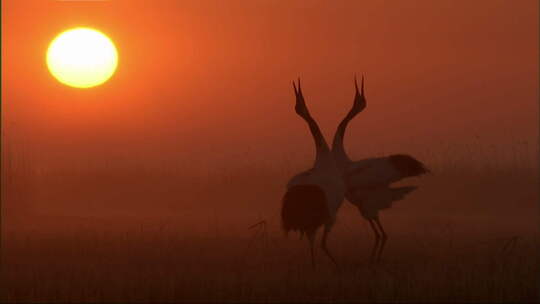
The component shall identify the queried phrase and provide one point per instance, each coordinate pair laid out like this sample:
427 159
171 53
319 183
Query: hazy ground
465 235
152 266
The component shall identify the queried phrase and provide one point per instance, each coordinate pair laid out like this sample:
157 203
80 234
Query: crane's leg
384 238
311 239
325 248
377 240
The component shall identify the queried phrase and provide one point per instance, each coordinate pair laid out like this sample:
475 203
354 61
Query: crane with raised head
368 181
314 196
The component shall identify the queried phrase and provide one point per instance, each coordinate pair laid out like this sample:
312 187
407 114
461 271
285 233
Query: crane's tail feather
304 209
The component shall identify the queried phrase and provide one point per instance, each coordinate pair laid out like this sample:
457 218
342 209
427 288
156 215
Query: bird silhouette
314 196
368 180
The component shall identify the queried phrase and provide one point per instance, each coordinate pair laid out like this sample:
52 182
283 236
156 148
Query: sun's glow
82 57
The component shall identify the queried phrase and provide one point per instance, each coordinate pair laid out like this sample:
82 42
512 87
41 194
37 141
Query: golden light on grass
82 57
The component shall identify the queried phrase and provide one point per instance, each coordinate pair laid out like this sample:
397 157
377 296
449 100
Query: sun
82 57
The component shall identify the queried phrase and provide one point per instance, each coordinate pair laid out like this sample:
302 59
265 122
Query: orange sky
209 80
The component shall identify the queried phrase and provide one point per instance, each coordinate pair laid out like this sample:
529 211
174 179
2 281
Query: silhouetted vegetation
131 233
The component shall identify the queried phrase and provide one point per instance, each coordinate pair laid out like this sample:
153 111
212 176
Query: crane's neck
322 151
338 148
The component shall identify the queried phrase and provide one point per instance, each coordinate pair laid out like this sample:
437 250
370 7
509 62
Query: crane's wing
374 172
384 198
370 202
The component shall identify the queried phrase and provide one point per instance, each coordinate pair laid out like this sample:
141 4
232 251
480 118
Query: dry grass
163 266
450 241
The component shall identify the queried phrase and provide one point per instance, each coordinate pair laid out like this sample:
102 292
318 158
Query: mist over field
160 234
144 188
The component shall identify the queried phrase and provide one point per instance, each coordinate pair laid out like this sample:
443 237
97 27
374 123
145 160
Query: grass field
465 235
164 266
